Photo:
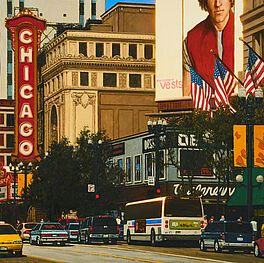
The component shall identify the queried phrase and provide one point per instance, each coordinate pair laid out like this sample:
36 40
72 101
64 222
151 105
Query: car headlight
17 242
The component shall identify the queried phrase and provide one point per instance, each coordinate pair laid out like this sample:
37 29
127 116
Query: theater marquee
26 29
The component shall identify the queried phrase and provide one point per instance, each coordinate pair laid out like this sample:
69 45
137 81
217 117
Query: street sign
91 188
151 180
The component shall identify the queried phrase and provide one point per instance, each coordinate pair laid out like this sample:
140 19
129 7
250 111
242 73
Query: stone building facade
96 78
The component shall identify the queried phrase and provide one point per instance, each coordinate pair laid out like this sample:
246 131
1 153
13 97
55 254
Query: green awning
239 198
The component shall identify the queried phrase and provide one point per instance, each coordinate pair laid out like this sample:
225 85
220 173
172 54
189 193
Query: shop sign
207 191
26 29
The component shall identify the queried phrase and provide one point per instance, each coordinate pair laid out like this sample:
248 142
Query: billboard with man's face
185 34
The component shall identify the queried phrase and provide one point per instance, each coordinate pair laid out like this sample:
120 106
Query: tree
94 160
56 180
213 136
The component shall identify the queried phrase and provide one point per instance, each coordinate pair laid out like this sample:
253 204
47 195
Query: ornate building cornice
92 63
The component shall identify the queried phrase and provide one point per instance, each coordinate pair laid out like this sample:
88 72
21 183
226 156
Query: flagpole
240 82
241 39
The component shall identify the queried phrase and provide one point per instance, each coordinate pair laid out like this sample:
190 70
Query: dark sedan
48 232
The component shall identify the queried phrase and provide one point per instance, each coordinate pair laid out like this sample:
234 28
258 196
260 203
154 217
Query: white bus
163 218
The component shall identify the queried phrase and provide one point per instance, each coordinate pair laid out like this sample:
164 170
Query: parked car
259 247
231 235
10 241
98 228
73 231
48 232
66 221
25 229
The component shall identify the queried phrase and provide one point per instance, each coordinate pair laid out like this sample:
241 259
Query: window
84 81
148 51
137 168
83 48
148 166
120 163
115 50
10 140
99 49
10 120
93 9
135 80
109 80
128 169
9 56
133 50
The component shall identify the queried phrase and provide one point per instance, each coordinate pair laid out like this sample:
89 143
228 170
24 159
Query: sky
110 3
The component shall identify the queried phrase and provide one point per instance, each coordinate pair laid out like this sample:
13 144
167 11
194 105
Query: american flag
254 75
228 79
201 92
221 94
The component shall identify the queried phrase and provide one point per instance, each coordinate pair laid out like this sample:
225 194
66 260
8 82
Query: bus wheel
153 238
128 238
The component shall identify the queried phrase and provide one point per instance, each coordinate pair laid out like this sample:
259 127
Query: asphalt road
78 253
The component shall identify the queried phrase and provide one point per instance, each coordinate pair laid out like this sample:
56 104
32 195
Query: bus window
182 208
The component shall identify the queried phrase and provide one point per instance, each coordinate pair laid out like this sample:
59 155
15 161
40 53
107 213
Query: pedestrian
211 219
240 218
254 224
222 218
205 221
118 220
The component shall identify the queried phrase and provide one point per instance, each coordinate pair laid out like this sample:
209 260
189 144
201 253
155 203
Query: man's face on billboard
219 12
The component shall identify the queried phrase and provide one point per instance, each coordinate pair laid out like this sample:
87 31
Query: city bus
164 218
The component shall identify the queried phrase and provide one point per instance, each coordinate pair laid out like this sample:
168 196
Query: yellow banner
259 146
240 145
21 183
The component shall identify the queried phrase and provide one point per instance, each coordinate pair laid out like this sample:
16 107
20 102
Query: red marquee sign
26 29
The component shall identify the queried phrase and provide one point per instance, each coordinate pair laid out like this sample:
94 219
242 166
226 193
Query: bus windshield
182 208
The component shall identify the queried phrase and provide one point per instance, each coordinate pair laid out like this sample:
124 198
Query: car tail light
202 224
27 232
223 236
166 224
74 233
91 228
46 235
63 235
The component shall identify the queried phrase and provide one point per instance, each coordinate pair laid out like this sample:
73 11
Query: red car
259 247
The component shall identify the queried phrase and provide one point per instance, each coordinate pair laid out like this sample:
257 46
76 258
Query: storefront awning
239 198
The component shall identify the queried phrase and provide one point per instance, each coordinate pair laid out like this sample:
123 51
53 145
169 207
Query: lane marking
105 255
51 260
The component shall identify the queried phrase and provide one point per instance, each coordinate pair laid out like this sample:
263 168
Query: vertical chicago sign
26 29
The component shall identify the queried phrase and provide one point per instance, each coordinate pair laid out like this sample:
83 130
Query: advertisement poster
180 43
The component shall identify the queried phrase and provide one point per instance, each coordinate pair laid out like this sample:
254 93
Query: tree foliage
60 179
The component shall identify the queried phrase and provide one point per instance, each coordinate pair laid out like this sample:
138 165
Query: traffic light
97 196
158 190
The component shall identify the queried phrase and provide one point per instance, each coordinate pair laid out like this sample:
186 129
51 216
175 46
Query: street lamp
96 147
14 167
250 104
157 130
26 168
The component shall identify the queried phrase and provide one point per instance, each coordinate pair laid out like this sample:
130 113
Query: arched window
54 125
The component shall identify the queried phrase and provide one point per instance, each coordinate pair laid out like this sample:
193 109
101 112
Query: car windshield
103 221
74 227
237 227
6 229
63 222
72 221
30 226
51 227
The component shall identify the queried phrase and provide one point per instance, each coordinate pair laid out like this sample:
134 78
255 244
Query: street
125 253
